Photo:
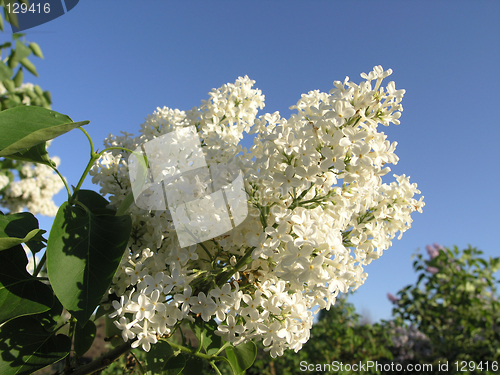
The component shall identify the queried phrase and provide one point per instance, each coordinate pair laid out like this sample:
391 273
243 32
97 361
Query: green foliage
241 357
457 307
29 343
336 336
16 229
17 93
20 293
84 337
89 245
25 127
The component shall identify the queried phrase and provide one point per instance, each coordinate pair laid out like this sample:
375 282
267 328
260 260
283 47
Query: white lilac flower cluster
34 190
318 212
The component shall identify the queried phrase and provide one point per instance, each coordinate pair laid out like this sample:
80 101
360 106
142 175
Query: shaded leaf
89 245
95 202
158 356
18 228
26 346
193 366
84 337
26 126
176 364
35 154
20 293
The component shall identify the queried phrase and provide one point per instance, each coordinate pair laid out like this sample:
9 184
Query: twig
103 361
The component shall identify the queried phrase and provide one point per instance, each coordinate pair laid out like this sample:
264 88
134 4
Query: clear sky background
114 62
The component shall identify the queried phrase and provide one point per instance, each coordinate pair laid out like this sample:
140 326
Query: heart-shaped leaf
20 293
241 357
83 252
26 126
18 228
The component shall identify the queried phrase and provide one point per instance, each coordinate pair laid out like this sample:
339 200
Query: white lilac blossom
34 190
318 213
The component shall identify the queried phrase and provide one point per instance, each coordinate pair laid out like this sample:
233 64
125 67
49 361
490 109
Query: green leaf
241 357
36 50
204 331
27 347
126 203
84 337
21 51
16 229
35 246
29 66
35 154
193 366
11 17
47 96
95 202
20 293
18 78
175 365
9 85
26 126
158 356
5 71
83 252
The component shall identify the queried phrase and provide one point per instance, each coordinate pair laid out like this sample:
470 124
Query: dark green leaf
176 364
158 356
21 51
18 228
53 318
36 50
84 337
27 347
35 246
20 293
242 356
35 154
29 66
5 71
83 253
193 365
95 202
26 126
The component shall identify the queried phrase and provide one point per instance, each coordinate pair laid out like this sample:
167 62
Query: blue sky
113 62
